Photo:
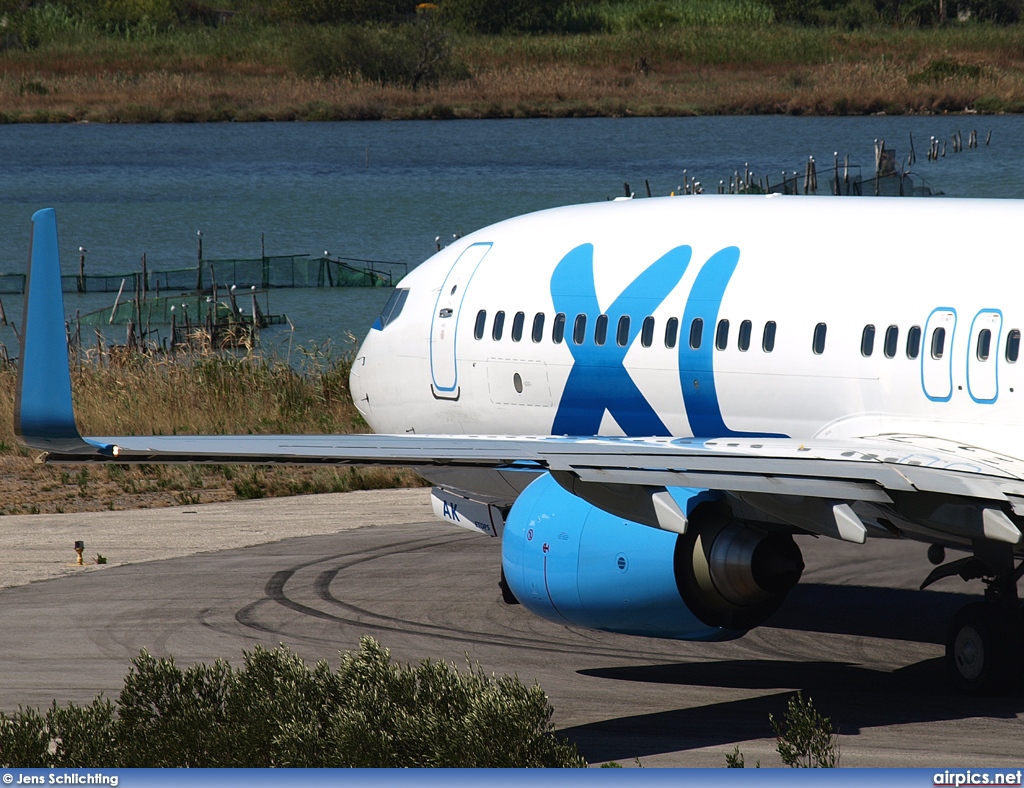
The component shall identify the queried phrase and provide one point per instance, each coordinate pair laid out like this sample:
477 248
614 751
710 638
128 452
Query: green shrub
41 25
340 11
805 738
944 68
414 54
508 16
277 711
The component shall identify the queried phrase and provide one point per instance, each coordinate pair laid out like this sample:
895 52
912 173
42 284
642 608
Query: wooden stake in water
117 300
81 268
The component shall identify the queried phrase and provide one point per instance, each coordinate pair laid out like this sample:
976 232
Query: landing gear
983 649
985 642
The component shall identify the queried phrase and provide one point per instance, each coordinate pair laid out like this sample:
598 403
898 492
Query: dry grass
545 90
711 70
198 393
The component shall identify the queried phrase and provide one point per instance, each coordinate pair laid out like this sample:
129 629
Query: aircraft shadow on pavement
888 613
853 697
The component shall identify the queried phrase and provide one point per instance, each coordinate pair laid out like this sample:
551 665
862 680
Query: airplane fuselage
713 316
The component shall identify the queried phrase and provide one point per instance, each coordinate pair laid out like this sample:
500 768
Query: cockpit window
392 309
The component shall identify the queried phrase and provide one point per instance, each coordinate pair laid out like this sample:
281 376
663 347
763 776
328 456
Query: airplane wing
872 470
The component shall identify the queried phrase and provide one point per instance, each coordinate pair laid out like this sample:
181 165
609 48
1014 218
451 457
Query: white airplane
645 400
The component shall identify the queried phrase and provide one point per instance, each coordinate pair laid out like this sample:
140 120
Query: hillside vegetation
190 60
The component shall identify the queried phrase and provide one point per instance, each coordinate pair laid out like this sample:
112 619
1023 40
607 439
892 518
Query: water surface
386 190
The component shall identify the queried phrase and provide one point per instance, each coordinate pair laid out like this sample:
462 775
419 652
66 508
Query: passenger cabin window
558 328
1013 346
984 344
768 339
579 329
914 342
722 335
818 343
622 332
647 332
696 333
481 324
938 342
517 326
538 327
671 331
499 326
743 340
867 340
600 329
892 341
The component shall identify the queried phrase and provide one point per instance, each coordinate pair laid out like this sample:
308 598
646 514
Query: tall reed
191 392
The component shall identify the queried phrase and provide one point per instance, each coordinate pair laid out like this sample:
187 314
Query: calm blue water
385 190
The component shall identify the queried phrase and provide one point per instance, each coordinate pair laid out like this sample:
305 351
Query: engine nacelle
570 562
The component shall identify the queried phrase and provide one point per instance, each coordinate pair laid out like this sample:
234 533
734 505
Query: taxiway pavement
206 582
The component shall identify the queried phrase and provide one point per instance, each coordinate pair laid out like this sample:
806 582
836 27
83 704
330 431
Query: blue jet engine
571 562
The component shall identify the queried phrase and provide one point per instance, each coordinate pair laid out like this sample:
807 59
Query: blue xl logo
598 380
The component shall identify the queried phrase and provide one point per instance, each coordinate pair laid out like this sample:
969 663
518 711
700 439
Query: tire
983 649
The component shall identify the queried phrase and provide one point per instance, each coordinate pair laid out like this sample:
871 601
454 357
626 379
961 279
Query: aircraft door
983 356
937 355
445 320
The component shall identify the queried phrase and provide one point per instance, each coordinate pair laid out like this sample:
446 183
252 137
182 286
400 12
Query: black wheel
982 649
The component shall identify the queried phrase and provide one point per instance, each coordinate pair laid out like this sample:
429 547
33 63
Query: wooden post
81 268
199 262
145 277
117 300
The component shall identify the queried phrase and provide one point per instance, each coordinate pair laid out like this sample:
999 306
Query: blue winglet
43 414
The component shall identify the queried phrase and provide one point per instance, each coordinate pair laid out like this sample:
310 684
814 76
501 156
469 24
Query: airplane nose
358 384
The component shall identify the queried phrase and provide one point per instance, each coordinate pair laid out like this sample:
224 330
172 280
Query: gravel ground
41 546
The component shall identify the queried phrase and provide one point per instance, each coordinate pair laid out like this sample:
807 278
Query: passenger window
517 326
914 342
818 343
579 329
743 340
938 342
481 324
558 328
892 341
647 332
622 334
867 340
984 344
538 327
696 333
671 331
600 329
499 326
1013 346
768 340
722 335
